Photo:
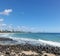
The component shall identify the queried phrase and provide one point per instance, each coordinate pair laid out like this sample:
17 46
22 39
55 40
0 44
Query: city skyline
10 27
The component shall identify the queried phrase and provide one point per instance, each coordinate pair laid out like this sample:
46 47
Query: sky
37 15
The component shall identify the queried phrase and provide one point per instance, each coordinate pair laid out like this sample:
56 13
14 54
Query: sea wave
36 41
6 34
20 40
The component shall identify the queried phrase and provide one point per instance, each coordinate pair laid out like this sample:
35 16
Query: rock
5 39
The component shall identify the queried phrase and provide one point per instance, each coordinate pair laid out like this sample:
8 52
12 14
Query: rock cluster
16 50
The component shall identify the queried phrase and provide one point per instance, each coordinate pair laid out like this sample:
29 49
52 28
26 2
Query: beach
27 49
29 27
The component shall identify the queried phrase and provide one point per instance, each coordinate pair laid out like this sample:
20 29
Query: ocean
33 38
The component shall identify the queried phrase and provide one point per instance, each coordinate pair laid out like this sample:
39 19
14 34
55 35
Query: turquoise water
44 36
33 38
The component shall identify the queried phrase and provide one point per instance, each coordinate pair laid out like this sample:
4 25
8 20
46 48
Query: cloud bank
6 12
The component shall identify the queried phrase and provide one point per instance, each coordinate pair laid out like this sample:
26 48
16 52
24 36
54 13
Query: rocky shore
28 50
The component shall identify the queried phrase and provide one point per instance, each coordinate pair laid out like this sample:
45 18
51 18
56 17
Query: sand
48 54
29 52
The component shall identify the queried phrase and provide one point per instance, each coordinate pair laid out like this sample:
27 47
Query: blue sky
42 15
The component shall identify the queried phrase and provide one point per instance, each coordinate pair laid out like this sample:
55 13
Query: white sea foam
50 43
34 41
4 34
31 41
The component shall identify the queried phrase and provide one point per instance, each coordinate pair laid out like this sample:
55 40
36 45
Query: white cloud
28 29
6 12
1 19
3 24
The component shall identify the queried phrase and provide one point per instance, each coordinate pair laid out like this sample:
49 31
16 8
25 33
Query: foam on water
4 34
50 43
34 41
20 40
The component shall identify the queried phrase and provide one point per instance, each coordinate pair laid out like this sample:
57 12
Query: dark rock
5 39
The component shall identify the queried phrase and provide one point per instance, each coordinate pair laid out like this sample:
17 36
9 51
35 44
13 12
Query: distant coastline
11 32
28 32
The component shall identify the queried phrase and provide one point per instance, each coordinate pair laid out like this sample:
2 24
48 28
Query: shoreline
28 49
29 41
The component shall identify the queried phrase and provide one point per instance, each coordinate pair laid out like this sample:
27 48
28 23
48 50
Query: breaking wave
20 40
4 34
35 42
